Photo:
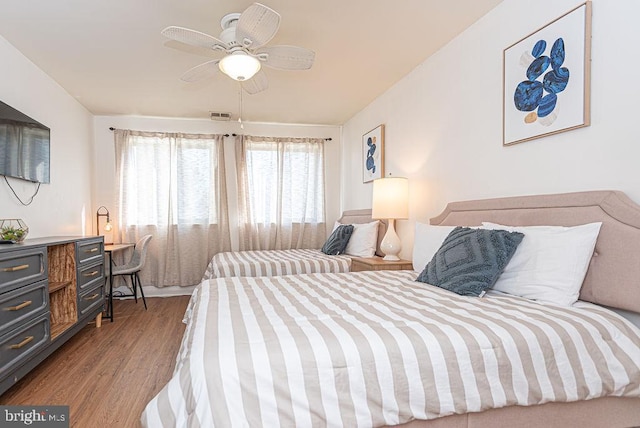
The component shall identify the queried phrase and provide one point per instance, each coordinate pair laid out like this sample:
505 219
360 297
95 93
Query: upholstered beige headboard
364 216
613 278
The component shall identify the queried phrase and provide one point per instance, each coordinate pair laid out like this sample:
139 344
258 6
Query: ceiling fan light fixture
239 66
244 37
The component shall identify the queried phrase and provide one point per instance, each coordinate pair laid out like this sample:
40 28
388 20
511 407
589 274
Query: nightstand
359 264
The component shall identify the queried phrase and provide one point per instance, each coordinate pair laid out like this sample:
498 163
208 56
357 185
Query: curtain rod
226 135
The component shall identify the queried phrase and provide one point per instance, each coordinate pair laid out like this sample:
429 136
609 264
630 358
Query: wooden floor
107 375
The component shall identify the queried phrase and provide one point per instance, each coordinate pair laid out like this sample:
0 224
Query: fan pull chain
240 114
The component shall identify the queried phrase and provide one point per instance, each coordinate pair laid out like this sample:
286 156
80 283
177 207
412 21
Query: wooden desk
109 249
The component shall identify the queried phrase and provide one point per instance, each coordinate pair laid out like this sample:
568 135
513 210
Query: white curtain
172 186
280 193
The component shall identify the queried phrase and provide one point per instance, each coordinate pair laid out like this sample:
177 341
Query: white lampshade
391 201
390 198
239 66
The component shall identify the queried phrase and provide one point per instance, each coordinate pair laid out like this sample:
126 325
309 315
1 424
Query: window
172 186
285 180
281 192
170 180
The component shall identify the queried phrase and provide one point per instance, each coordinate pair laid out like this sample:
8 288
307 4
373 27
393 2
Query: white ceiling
109 54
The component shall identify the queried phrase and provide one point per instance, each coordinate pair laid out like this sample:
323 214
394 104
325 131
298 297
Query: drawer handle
92 297
92 250
15 268
21 344
18 307
94 273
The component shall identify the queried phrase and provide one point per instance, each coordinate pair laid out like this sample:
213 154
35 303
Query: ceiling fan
243 39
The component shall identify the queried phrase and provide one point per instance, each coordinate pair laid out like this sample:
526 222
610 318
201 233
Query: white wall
62 207
104 172
444 120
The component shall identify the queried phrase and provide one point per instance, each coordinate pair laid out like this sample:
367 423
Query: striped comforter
274 263
376 348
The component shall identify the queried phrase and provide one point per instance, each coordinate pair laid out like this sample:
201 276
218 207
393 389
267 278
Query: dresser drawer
18 268
90 300
22 343
91 276
20 305
90 251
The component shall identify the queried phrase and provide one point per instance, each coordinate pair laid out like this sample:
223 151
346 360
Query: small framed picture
373 154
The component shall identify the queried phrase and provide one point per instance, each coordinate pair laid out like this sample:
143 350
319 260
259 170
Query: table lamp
391 201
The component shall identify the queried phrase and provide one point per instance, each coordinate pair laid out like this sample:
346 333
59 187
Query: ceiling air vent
220 116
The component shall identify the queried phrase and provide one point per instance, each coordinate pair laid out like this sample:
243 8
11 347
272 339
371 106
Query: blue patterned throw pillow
470 261
337 242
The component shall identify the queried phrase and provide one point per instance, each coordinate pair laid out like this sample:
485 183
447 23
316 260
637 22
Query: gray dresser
50 288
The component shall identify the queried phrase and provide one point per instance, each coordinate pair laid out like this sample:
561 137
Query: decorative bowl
13 229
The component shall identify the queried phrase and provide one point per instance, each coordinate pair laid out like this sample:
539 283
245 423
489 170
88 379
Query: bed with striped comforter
377 348
274 263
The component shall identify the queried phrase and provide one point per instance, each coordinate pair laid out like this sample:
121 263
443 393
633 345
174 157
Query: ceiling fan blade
193 38
200 71
285 57
257 25
257 83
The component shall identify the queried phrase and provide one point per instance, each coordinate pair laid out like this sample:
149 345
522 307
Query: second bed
299 261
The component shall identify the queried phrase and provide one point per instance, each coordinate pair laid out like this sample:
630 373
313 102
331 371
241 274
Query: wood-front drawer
90 250
22 267
18 306
22 343
90 276
90 300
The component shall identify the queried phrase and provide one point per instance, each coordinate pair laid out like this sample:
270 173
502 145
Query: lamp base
390 244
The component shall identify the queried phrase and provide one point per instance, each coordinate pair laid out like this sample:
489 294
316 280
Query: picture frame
373 154
546 79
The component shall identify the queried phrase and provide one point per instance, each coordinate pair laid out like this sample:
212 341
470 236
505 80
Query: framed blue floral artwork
373 154
546 79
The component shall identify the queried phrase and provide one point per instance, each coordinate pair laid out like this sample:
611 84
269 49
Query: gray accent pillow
470 261
337 242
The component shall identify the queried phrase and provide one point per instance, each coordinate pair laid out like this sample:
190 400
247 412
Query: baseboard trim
173 291
151 291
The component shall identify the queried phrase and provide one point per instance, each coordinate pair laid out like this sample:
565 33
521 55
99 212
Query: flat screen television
24 146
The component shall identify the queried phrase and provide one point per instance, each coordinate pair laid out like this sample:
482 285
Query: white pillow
550 263
364 239
427 241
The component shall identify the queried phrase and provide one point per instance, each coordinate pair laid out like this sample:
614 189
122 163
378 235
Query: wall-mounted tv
24 146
